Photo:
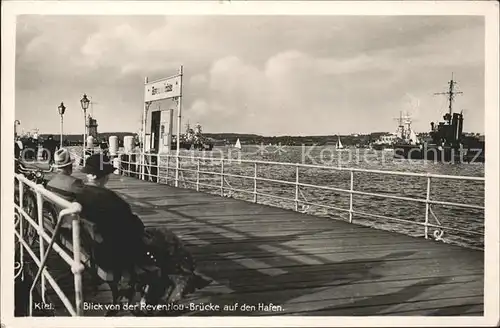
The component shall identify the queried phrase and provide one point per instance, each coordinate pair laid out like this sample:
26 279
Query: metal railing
38 194
161 168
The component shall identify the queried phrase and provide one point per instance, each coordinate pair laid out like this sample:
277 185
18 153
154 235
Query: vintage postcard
227 163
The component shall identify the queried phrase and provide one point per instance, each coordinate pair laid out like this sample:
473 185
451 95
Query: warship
447 142
193 139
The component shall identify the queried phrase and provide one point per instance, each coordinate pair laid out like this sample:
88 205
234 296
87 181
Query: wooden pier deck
307 265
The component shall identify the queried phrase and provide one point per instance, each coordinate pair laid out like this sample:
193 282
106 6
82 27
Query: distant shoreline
221 139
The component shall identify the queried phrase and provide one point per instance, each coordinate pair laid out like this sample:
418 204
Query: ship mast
404 126
401 127
451 96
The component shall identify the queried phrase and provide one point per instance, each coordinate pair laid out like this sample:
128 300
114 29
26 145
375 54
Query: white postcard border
488 9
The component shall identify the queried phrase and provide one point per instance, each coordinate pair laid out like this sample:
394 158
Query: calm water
465 192
447 190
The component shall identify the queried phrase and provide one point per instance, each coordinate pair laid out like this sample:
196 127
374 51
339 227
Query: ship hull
190 146
381 146
435 153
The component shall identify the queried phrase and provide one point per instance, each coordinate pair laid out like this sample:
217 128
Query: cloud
270 75
198 79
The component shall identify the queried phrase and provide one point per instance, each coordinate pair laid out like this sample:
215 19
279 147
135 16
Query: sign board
163 89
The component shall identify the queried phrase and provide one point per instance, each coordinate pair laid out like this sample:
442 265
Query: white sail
238 144
413 137
339 144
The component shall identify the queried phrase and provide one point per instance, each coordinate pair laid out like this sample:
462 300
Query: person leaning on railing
63 183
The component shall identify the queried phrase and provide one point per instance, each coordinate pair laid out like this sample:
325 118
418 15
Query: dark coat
120 228
17 150
50 145
65 186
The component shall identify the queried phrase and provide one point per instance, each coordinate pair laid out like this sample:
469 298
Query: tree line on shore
221 139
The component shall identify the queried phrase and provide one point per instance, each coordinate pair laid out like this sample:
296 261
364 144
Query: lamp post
61 109
85 105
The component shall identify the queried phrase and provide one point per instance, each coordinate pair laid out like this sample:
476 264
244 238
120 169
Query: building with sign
158 124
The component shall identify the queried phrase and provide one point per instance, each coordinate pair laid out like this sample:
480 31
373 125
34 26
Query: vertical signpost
144 119
179 118
167 88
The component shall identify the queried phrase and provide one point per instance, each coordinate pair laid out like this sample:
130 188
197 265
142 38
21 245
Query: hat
98 165
62 158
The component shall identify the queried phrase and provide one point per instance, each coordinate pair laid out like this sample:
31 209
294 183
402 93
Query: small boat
237 144
339 144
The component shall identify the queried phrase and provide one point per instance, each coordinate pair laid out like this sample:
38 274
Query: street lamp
61 109
85 105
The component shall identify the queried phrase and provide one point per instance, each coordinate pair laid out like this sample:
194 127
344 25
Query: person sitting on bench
120 229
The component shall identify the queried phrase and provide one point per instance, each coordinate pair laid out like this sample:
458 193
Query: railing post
144 167
296 187
177 167
222 177
351 195
255 183
427 208
168 171
138 165
130 166
39 204
126 167
198 175
77 270
142 163
151 175
158 160
148 161
150 167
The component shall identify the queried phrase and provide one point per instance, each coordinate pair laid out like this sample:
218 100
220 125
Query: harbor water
446 190
469 221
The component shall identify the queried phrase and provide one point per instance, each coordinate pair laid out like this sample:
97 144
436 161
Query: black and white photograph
276 161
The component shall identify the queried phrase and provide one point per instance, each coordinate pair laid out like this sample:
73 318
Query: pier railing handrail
74 260
232 160
142 164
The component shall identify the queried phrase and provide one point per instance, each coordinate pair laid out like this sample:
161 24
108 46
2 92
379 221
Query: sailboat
339 144
237 144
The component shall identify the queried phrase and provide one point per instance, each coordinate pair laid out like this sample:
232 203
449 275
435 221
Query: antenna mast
451 96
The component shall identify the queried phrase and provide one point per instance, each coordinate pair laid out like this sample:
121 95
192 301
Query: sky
269 75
